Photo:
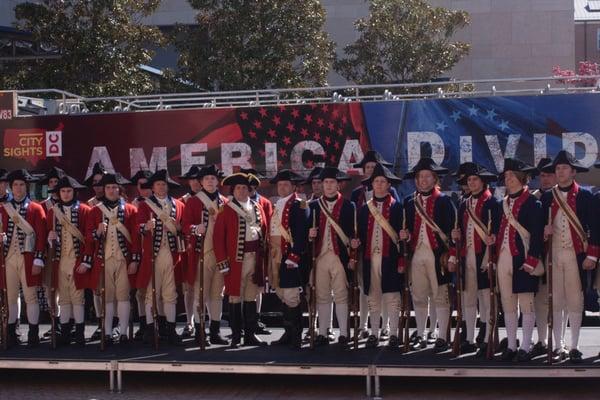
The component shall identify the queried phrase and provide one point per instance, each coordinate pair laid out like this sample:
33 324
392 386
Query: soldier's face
19 189
160 188
141 191
195 185
330 187
564 174
369 167
98 190
111 191
317 187
210 183
241 192
66 194
381 186
547 180
285 188
475 184
425 180
513 184
52 183
3 187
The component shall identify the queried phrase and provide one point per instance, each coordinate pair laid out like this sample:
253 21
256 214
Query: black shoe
440 346
538 349
261 329
79 336
11 336
124 340
431 337
393 342
96 335
163 331
523 356
385 335
575 356
139 334
482 351
33 336
188 331
481 334
413 337
467 348
235 322
343 341
559 355
250 325
215 333
463 331
321 340
65 338
148 337
331 336
420 343
173 338
116 333
372 342
508 355
295 329
198 335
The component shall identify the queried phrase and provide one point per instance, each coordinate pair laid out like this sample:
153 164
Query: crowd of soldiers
374 257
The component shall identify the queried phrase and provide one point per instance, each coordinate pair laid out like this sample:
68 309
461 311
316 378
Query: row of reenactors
243 241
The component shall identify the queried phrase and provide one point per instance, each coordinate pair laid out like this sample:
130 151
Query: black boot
12 335
286 338
481 334
33 336
163 331
172 335
251 325
235 322
139 334
65 337
295 328
215 333
148 337
80 334
197 332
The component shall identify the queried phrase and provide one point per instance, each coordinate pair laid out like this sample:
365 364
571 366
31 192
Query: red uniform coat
79 218
93 249
228 243
150 243
36 216
193 214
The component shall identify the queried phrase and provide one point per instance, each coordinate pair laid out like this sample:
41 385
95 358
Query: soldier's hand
82 269
200 230
451 267
355 243
490 239
455 234
101 230
404 235
52 237
132 268
150 225
589 264
36 270
547 232
3 237
312 233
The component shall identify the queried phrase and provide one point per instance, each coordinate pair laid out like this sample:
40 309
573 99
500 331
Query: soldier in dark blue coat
379 222
288 232
572 228
430 219
335 218
475 212
519 245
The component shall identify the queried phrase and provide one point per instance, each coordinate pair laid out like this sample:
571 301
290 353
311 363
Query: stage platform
370 364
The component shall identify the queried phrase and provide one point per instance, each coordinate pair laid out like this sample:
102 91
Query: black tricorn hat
540 165
513 164
20 175
314 174
113 179
471 169
333 173
3 175
240 178
286 175
54 172
252 171
192 173
209 170
141 174
97 169
160 175
372 156
564 157
68 182
425 163
381 170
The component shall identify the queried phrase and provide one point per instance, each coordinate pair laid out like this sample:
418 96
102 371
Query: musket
405 312
51 258
459 288
154 301
355 287
4 294
493 322
103 294
201 305
312 301
549 283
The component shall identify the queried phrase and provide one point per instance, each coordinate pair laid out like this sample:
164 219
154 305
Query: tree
403 41
102 43
248 44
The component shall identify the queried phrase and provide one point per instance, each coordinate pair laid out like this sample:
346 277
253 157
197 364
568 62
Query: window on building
598 39
593 5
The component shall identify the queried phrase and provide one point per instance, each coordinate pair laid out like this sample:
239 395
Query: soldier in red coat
23 231
67 226
239 240
159 222
112 250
